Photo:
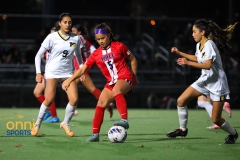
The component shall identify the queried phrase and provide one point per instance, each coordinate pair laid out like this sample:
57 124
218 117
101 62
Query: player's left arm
133 61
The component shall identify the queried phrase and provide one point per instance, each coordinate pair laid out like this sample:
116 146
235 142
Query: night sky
171 8
219 11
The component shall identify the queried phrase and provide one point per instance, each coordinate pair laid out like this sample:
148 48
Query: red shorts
110 87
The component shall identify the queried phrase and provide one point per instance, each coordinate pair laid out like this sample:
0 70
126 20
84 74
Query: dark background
29 21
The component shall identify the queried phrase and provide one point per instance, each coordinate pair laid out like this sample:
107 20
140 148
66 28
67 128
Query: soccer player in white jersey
61 45
39 93
212 82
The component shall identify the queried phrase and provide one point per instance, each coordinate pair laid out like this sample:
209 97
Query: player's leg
39 94
226 106
189 94
72 94
120 89
206 103
89 85
52 112
105 98
49 94
225 125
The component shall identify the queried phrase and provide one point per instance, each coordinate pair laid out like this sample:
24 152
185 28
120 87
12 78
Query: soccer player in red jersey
111 57
86 51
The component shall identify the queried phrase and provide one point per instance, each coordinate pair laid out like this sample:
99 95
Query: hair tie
100 31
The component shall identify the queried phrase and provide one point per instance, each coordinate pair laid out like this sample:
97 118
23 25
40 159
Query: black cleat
230 139
177 132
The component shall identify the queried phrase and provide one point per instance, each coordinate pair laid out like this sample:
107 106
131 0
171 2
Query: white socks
69 113
183 117
207 105
228 128
41 114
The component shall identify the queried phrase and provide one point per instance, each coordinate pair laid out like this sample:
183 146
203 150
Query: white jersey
59 62
214 79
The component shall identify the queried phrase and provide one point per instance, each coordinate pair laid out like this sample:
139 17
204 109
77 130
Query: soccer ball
117 134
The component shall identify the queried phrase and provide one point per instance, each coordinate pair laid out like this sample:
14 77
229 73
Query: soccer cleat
123 123
110 109
53 120
227 109
75 113
230 139
177 132
47 115
93 138
67 129
35 129
214 126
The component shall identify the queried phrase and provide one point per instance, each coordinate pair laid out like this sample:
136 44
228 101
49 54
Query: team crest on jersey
72 44
203 55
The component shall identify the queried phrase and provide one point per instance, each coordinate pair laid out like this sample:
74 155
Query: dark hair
212 31
61 17
107 28
82 29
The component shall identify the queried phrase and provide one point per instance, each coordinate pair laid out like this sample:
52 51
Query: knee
36 93
180 102
116 92
102 103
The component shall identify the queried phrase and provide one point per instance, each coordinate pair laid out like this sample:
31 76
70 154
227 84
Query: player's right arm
185 55
38 57
78 73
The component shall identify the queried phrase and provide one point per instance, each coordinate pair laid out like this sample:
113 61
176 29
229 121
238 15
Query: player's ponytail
220 36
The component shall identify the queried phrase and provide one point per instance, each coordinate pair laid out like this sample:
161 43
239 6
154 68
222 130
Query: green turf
146 138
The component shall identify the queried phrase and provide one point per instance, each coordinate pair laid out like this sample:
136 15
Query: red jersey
112 62
86 50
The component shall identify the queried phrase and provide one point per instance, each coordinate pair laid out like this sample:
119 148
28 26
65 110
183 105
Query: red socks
98 119
96 93
121 106
52 108
41 98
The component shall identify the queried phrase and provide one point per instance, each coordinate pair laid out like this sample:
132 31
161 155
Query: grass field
146 137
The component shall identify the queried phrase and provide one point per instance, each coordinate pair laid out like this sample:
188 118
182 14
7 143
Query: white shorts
60 78
201 88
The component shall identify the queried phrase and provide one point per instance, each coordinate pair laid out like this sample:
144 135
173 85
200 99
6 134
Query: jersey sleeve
47 43
197 46
90 61
81 41
77 53
90 46
38 56
209 51
125 50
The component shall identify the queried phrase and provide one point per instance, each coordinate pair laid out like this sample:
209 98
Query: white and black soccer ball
117 134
